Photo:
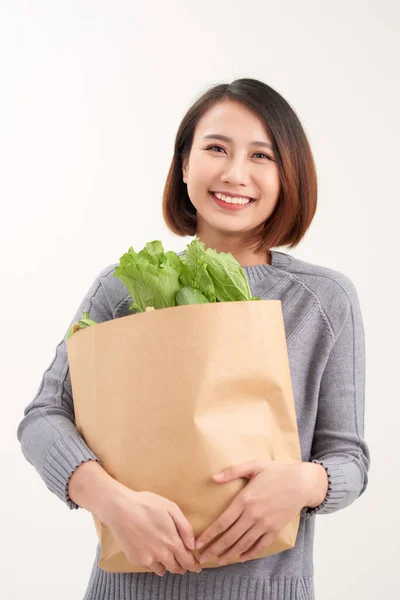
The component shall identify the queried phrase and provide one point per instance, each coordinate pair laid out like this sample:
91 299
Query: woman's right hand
152 531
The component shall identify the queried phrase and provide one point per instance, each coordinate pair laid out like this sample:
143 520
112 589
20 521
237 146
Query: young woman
242 180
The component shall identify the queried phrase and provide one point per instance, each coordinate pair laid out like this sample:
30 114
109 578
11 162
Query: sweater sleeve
47 433
338 442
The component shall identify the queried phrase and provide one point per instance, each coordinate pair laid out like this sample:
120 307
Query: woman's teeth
231 200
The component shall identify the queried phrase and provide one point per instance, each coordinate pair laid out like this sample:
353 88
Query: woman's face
236 166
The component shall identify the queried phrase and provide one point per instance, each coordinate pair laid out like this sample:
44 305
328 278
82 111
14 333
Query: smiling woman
241 140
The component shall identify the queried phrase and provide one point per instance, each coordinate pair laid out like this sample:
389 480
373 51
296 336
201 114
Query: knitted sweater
326 347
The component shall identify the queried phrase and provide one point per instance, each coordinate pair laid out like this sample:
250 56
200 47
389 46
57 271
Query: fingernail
218 476
199 545
203 559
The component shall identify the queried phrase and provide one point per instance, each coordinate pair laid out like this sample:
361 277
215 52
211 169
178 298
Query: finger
181 555
224 521
174 566
167 558
158 568
183 526
184 556
187 560
242 545
247 469
259 547
228 539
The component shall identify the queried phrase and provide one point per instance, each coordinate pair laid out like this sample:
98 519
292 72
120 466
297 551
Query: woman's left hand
274 495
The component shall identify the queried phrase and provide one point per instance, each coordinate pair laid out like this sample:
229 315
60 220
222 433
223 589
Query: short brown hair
297 200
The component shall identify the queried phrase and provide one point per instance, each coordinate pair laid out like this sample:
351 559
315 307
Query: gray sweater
326 347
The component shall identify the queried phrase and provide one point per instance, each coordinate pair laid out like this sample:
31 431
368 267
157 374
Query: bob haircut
297 199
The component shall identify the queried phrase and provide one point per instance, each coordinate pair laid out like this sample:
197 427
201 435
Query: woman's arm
314 484
338 441
93 489
47 433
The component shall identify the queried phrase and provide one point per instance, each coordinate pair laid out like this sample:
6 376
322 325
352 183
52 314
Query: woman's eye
211 147
262 154
220 148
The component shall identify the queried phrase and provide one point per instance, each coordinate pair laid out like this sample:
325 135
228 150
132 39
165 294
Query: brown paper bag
168 397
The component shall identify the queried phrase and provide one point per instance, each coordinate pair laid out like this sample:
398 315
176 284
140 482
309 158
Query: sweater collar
255 273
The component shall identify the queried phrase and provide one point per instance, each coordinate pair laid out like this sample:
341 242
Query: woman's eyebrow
225 138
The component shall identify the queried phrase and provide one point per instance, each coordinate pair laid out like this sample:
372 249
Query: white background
92 94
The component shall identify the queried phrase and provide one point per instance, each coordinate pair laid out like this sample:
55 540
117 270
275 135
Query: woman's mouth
230 205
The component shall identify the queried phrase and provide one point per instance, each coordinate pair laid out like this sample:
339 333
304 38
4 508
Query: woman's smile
233 204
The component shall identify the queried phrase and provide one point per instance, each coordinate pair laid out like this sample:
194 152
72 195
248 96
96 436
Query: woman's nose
237 172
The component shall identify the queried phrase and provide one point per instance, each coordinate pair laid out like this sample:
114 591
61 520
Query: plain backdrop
92 93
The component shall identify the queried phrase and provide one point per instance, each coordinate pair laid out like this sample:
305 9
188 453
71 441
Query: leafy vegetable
151 276
81 324
188 295
159 279
228 277
162 279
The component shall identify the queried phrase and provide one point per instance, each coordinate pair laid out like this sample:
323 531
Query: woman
242 180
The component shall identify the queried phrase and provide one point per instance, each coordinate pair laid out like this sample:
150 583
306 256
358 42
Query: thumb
247 469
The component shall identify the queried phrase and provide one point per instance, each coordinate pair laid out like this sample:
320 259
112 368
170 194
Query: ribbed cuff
63 458
335 494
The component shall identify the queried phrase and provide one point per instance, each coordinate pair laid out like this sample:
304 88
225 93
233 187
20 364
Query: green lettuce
153 277
228 277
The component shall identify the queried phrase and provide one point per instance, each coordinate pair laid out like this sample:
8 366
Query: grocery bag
166 398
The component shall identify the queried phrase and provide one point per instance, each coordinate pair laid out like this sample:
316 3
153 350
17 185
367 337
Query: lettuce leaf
153 277
228 277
